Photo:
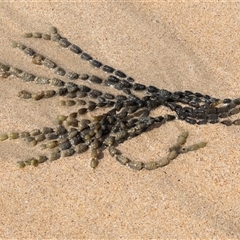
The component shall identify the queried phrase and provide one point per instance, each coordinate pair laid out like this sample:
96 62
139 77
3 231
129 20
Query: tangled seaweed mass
126 114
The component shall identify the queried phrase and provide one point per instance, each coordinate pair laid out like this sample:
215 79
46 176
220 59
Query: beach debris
127 112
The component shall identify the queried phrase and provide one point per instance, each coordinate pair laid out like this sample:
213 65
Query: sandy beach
172 46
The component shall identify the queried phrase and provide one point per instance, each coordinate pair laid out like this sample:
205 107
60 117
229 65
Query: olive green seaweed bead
54 155
52 144
94 163
55 37
24 134
80 148
34 162
53 30
21 164
40 137
27 35
61 117
182 138
113 151
28 161
73 115
24 94
46 36
37 35
35 132
3 136
172 155
135 165
122 159
236 122
150 165
43 146
197 146
13 135
32 143
42 159
38 96
28 138
67 153
109 141
163 162
13 44
96 143
94 153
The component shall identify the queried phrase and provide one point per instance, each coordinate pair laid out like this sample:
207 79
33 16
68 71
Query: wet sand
173 46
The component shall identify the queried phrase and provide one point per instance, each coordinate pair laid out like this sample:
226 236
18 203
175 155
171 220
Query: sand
172 46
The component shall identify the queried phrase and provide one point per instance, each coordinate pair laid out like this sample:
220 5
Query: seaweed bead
120 74
68 152
29 161
65 145
113 151
41 80
60 71
107 69
46 36
234 111
24 134
38 96
51 136
55 37
75 49
135 165
63 42
27 35
236 122
52 144
95 63
48 63
54 155
94 163
138 87
122 159
53 30
109 141
80 148
42 159
37 35
13 135
182 138
86 57
95 93
95 79
76 140
46 130
173 154
3 136
35 132
29 51
34 162
21 164
28 77
49 93
56 82
163 162
94 153
237 101
150 165
226 122
72 75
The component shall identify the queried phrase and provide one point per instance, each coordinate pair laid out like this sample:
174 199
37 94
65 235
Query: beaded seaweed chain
125 114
